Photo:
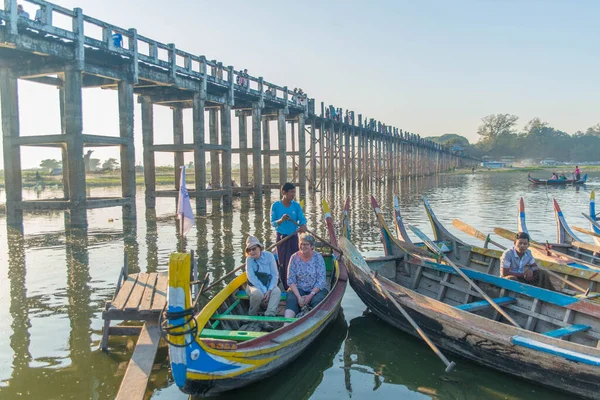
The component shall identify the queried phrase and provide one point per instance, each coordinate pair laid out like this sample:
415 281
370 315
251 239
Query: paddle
594 223
355 258
334 247
440 253
271 247
510 235
469 230
578 229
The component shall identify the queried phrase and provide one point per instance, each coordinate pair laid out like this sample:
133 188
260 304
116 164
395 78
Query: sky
428 67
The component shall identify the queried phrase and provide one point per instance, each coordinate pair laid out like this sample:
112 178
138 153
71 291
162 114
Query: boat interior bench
261 318
569 330
242 295
483 304
230 335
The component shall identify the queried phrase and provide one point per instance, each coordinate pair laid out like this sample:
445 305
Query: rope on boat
189 319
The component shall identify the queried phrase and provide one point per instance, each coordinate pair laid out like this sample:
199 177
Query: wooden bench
483 304
262 318
230 335
242 295
566 331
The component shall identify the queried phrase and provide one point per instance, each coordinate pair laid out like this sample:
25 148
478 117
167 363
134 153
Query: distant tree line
500 137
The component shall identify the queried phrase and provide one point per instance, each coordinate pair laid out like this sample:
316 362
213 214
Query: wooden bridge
341 148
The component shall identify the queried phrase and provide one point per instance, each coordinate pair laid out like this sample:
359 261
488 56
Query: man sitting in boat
306 277
518 264
261 270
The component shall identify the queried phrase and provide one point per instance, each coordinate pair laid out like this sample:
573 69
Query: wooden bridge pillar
73 107
348 152
322 136
313 154
178 160
282 150
353 153
226 153
198 126
213 131
243 147
302 156
331 160
267 150
11 152
127 150
257 177
148 142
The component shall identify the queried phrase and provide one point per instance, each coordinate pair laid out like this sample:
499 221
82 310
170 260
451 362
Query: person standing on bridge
288 219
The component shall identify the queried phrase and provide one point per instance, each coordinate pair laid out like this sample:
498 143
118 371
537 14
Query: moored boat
211 351
537 181
554 345
576 247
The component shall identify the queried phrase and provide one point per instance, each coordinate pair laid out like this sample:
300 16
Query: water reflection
400 364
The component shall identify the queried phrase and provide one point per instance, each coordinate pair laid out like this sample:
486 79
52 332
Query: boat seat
483 304
566 331
242 295
230 335
262 318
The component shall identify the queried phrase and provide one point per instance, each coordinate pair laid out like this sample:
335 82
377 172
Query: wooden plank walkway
138 297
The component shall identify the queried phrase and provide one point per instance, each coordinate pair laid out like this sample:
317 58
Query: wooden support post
313 154
353 158
148 141
11 152
322 136
128 149
281 134
178 159
226 152
63 150
74 129
243 154
256 149
215 174
199 152
331 161
293 140
341 151
267 149
347 152
302 157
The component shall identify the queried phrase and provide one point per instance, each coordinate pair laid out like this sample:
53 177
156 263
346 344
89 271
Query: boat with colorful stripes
538 181
211 352
555 342
583 278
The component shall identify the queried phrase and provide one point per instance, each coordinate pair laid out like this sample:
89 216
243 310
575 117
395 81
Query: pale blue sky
429 67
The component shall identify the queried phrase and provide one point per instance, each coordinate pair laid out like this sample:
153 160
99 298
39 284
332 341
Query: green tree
110 164
94 164
593 130
50 164
495 125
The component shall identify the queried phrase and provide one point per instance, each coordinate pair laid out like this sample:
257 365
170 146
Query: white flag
184 207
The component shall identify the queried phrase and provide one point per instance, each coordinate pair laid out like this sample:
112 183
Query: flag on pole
184 207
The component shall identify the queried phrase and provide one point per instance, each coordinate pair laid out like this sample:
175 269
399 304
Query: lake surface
53 286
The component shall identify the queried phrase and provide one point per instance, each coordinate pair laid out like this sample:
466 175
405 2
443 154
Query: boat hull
475 338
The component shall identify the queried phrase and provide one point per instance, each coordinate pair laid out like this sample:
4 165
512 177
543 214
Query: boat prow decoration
564 234
521 217
400 228
593 214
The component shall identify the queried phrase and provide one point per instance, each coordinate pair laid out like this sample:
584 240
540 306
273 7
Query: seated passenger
562 177
554 176
305 277
518 264
261 270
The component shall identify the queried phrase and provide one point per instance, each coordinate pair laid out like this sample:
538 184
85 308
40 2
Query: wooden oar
334 247
440 253
233 271
582 230
357 257
510 235
469 230
594 223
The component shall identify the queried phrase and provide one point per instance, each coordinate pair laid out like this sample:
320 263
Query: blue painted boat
537 181
556 341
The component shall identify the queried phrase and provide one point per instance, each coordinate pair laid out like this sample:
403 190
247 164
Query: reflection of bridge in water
321 148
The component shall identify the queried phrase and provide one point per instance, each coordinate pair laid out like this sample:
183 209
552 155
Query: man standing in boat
518 264
287 218
577 173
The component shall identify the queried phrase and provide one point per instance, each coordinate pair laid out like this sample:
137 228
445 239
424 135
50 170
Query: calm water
53 286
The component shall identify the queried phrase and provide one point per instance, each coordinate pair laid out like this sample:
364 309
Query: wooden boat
209 351
594 217
537 181
576 247
488 260
555 345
